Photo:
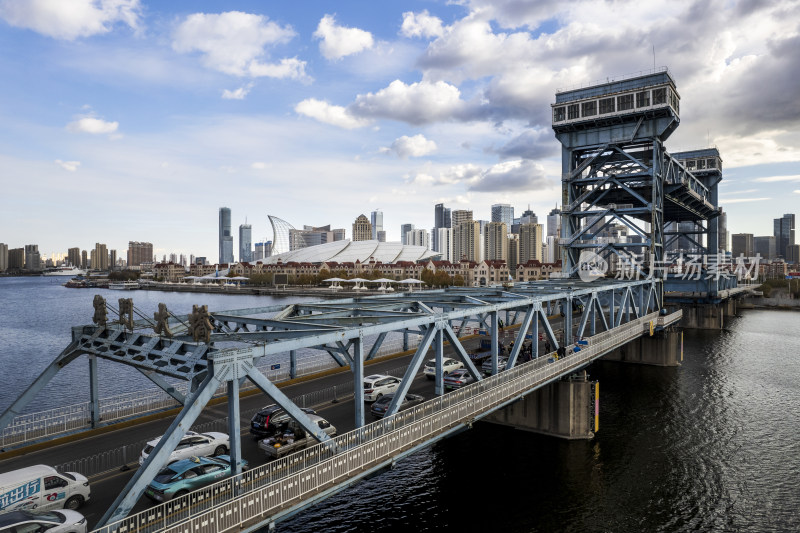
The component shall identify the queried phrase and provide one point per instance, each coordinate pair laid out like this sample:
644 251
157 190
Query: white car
378 385
61 521
448 365
193 444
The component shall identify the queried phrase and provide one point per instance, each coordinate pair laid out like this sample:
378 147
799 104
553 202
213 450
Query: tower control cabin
616 171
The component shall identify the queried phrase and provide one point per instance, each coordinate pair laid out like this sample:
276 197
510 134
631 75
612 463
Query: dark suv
269 419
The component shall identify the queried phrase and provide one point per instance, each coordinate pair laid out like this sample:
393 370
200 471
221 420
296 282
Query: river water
707 446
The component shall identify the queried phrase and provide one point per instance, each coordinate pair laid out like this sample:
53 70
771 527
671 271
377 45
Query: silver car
61 521
193 444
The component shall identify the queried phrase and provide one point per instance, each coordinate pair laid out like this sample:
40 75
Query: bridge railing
279 484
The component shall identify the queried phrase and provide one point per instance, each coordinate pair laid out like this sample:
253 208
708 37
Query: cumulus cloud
70 19
421 25
415 103
258 165
337 42
519 175
92 125
416 146
237 94
70 166
236 43
329 114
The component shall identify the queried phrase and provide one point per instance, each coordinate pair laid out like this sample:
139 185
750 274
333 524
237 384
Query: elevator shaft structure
617 173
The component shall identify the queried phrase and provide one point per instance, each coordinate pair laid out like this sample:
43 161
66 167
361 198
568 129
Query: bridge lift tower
616 170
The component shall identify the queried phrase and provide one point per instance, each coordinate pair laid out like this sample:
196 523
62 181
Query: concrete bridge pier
564 409
702 316
664 348
730 307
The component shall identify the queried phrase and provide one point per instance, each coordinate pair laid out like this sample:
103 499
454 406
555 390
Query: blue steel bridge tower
616 170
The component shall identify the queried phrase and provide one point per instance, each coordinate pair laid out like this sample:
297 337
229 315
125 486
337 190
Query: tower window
606 105
643 99
572 111
624 102
558 114
660 96
589 109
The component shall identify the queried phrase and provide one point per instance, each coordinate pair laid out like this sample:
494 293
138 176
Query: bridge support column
562 409
702 316
729 307
662 349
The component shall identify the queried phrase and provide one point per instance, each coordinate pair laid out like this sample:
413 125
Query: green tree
458 280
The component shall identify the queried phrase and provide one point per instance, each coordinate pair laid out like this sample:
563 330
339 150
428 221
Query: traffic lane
341 414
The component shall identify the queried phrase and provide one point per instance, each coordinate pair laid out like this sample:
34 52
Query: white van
41 487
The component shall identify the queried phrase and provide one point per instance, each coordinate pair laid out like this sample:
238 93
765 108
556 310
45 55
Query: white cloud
519 175
416 103
339 41
421 25
796 191
92 125
70 166
235 43
237 94
329 114
772 179
724 201
258 165
70 19
416 146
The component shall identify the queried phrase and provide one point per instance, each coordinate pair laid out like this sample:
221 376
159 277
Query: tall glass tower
245 243
377 223
225 237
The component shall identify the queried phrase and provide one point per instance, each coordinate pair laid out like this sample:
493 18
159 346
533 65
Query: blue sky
135 120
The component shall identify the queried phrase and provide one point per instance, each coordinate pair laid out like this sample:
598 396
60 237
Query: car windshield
165 475
69 476
148 449
49 517
383 401
430 364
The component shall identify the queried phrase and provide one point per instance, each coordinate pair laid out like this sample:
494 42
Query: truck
42 487
292 437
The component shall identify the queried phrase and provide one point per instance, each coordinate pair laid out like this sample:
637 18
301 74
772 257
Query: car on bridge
486 367
458 378
378 385
380 406
61 521
193 444
448 365
269 420
187 475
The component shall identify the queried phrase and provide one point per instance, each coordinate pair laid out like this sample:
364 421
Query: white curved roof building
346 251
280 234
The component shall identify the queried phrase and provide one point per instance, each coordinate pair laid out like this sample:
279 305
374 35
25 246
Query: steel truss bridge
220 349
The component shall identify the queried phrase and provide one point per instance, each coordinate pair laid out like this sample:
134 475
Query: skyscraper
3 257
376 219
503 213
362 229
784 233
418 237
765 246
467 240
441 220
405 228
139 252
444 236
74 257
554 222
100 261
742 244
225 236
496 241
530 242
245 243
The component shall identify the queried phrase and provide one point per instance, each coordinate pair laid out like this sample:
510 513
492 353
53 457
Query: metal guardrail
282 483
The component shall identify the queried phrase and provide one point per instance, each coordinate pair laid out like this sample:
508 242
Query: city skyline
126 123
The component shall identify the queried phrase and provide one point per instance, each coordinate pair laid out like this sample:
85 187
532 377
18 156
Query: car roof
183 465
373 377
